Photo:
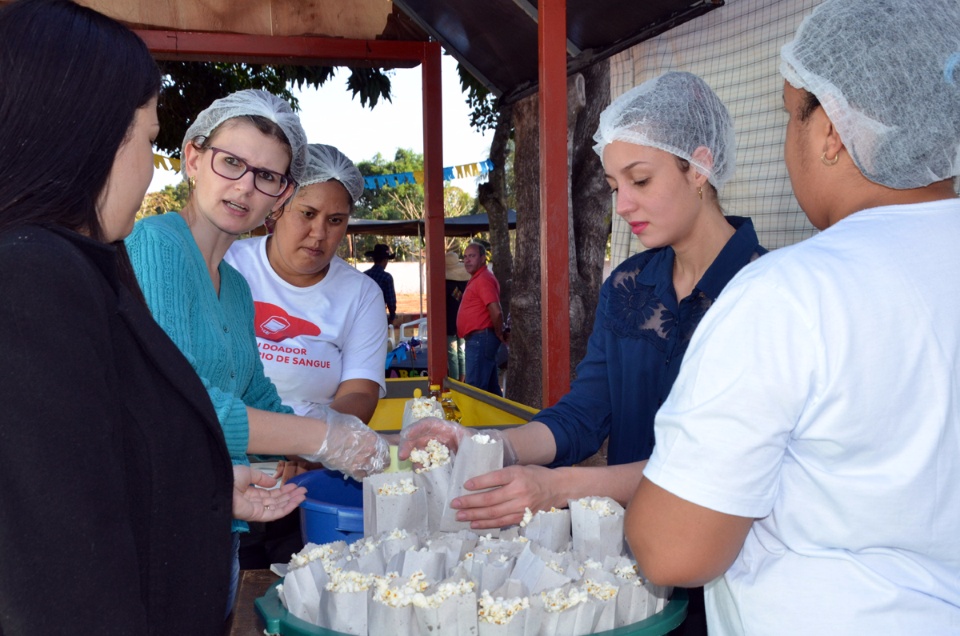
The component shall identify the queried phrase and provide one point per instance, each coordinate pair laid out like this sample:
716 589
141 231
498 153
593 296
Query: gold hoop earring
700 192
193 182
829 162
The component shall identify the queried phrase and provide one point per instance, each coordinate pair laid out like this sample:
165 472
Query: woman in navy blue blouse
667 147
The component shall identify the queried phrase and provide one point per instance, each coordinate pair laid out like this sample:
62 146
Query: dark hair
276 215
809 104
71 82
684 166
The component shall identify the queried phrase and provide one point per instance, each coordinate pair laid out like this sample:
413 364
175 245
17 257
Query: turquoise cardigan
214 333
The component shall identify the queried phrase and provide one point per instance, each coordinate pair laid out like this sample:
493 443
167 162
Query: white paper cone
472 460
603 588
453 547
510 533
632 603
371 563
309 594
493 575
574 621
436 485
395 621
661 594
605 615
384 513
518 623
533 572
291 599
430 563
392 546
550 530
416 409
593 535
344 612
456 616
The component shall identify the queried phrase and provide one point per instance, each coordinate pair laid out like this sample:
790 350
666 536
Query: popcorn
401 487
403 595
364 546
599 590
483 438
601 506
606 594
500 611
425 407
556 600
433 456
527 517
590 564
323 553
443 592
350 581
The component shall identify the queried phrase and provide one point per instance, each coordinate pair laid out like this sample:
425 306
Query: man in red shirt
480 320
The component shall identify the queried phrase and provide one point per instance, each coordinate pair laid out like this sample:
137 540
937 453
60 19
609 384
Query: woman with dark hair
668 147
99 406
308 300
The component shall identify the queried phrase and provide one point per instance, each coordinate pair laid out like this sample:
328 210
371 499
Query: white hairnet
325 163
676 113
886 73
254 102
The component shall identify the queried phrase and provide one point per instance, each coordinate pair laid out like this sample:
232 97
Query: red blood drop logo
275 324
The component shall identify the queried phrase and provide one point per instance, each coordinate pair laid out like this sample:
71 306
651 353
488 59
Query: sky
331 115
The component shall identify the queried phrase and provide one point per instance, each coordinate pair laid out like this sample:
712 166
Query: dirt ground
410 304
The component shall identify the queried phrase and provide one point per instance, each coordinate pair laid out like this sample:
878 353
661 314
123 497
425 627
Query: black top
115 517
454 294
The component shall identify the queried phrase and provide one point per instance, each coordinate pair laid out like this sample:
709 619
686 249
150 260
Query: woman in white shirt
806 459
319 322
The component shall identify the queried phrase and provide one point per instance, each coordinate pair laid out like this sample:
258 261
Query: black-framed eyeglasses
232 167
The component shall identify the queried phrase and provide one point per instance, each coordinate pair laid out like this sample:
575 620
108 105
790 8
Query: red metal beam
202 46
433 213
209 46
554 226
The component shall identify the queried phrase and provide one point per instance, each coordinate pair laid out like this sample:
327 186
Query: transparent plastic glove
450 434
351 447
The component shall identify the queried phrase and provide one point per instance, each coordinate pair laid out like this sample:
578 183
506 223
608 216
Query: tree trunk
591 205
589 210
492 196
523 368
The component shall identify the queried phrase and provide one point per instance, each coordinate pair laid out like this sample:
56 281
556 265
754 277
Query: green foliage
402 202
172 197
406 201
370 84
189 87
484 111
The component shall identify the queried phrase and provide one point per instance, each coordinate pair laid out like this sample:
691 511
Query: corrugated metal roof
497 39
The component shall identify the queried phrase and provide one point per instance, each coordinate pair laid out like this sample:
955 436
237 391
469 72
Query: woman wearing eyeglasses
242 157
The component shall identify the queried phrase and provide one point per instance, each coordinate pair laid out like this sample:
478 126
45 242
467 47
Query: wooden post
433 213
554 226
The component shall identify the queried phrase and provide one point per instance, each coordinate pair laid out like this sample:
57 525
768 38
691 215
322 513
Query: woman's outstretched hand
252 501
